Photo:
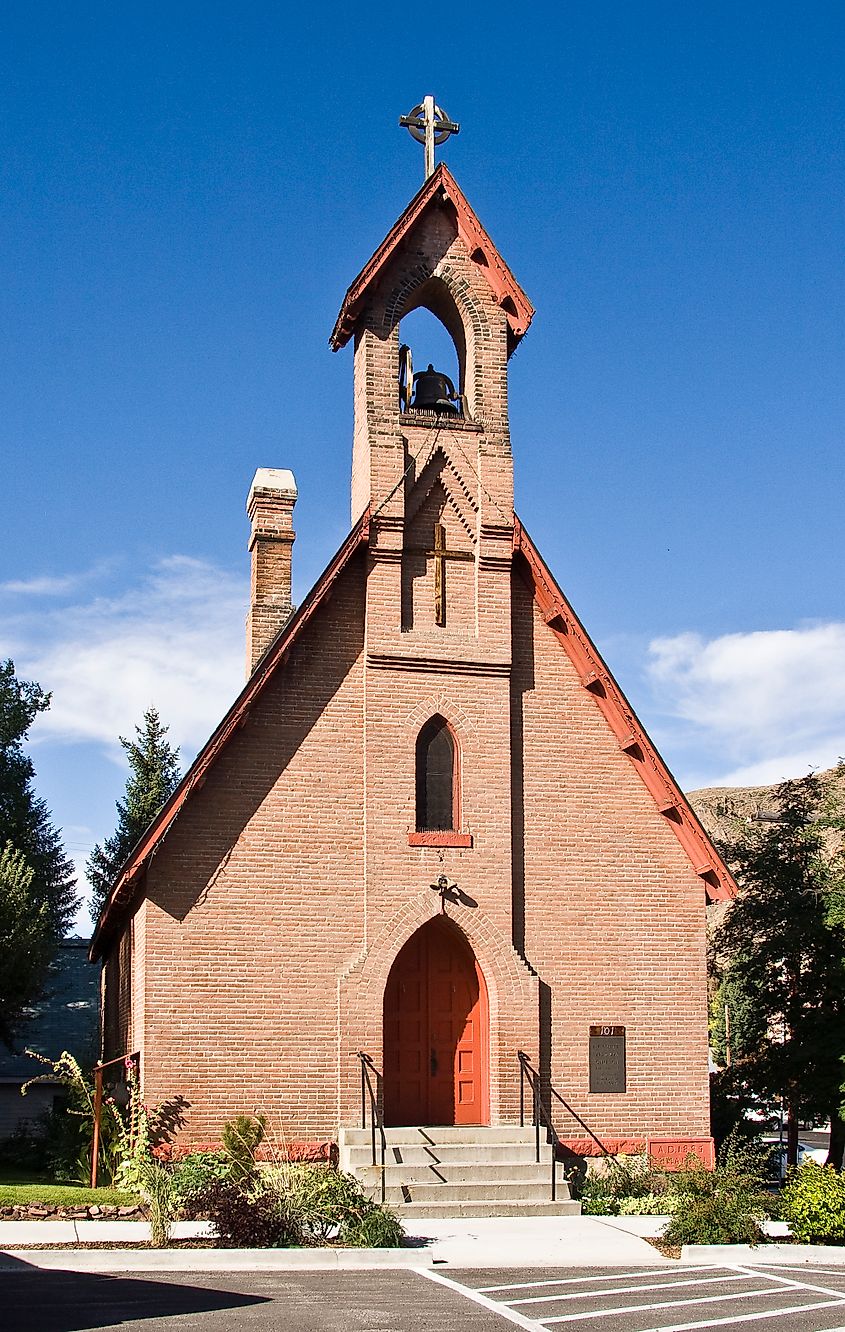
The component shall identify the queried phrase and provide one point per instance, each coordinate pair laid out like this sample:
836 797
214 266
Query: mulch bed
668 1250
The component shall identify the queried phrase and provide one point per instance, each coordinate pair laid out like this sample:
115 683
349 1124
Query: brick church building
431 827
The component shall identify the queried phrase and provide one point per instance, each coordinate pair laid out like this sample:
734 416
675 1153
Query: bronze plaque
607 1059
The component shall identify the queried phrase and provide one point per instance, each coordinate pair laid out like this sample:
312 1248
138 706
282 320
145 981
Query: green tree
37 875
26 940
154 774
780 962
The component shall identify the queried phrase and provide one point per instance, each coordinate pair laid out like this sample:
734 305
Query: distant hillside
725 810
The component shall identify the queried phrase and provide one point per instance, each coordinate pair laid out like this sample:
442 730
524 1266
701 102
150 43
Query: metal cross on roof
430 125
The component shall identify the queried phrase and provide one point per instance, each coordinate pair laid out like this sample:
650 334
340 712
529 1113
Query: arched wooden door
435 1031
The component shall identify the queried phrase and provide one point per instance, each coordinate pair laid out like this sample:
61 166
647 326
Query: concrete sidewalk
13 1233
496 1242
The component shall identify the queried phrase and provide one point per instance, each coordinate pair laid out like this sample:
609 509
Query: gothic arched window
437 777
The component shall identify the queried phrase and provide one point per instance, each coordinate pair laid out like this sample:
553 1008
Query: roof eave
598 680
133 871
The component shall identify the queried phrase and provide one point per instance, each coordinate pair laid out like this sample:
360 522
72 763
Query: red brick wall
287 886
614 914
120 977
255 903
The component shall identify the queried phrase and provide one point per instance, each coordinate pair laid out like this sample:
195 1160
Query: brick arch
435 296
450 286
426 707
446 292
484 937
512 988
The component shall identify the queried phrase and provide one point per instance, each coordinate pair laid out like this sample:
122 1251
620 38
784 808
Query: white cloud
768 771
51 585
175 640
763 706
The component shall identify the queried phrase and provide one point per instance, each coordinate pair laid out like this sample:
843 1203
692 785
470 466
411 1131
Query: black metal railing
541 1114
370 1095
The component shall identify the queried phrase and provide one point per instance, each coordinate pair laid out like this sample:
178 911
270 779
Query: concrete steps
459 1171
477 1210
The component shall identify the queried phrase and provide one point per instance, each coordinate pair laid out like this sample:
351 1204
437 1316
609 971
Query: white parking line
778 1285
477 1297
630 1290
788 1281
614 1276
748 1318
799 1267
664 1304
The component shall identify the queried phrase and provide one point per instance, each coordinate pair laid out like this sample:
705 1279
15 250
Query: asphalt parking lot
664 1299
668 1299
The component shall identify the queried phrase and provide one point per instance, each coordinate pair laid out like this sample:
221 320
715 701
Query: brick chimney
272 496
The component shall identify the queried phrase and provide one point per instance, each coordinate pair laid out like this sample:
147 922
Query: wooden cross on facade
440 553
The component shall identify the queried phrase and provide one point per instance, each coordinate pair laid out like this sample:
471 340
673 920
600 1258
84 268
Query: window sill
447 838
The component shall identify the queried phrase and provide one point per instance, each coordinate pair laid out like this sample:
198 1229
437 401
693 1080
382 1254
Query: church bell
434 392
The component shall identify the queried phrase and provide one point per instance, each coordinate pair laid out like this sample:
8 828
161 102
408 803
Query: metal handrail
369 1093
541 1113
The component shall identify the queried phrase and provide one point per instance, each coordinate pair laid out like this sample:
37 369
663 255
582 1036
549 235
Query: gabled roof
440 189
123 891
623 721
564 623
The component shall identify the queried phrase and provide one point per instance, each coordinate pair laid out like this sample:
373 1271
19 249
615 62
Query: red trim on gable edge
623 721
507 291
122 893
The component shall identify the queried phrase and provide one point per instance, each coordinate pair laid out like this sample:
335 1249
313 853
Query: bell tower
432 459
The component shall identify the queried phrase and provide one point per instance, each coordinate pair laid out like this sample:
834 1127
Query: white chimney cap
274 478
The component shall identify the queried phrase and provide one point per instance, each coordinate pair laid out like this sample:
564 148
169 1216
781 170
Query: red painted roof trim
623 721
439 188
123 892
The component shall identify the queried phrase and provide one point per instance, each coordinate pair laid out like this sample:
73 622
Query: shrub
196 1173
242 1137
599 1204
648 1204
155 1184
379 1228
813 1203
332 1205
24 1150
622 1179
295 1205
721 1217
249 1218
721 1206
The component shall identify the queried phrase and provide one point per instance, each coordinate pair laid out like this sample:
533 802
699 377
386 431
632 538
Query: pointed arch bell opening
432 330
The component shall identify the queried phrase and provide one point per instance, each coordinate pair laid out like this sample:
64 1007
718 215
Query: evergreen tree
37 877
781 962
154 774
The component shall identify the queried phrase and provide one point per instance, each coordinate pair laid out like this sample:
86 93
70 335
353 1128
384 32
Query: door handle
433 1063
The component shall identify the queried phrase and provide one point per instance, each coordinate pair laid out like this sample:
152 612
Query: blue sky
187 192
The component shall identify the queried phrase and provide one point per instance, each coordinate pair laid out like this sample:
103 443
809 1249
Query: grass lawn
18 1192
